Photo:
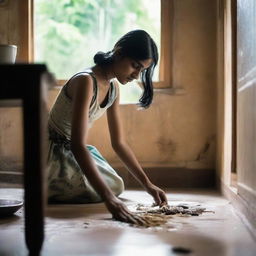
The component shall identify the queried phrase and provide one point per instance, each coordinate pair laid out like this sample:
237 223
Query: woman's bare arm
82 95
127 156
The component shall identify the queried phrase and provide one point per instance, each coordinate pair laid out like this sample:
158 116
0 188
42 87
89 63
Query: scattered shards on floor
157 216
172 210
146 216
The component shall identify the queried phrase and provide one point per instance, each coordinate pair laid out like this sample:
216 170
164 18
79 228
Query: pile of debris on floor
156 216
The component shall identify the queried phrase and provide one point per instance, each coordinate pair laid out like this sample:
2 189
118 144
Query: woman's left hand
158 194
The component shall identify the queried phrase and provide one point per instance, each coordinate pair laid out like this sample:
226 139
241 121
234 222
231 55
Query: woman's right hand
120 212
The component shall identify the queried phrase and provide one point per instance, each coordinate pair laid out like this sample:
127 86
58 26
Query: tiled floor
89 230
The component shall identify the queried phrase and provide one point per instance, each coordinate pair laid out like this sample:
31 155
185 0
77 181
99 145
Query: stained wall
177 130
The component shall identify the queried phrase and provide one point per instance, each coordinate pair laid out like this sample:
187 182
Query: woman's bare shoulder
81 82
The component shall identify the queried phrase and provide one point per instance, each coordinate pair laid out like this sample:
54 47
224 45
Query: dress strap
113 93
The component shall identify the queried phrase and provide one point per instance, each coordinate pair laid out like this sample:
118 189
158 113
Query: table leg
34 166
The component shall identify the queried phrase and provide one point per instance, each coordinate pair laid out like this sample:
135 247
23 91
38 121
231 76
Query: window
126 17
72 31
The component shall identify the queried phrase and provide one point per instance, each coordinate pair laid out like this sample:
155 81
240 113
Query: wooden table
26 85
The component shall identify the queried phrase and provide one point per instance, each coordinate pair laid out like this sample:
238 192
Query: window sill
170 90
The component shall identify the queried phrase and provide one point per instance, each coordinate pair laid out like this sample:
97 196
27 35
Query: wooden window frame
27 31
165 68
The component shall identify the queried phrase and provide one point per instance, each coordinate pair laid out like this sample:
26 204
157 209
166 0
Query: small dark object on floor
86 224
181 250
9 207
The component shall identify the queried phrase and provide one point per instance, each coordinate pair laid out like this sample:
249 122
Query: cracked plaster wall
177 130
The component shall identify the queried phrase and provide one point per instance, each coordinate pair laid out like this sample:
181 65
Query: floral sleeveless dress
66 181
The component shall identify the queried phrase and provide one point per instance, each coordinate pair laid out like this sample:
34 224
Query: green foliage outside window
68 33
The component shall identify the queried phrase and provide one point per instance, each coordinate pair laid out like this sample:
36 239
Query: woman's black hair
138 45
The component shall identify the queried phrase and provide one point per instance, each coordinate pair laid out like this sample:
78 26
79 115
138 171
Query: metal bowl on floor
9 207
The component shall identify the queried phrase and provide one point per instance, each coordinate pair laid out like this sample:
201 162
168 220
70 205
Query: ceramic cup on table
8 53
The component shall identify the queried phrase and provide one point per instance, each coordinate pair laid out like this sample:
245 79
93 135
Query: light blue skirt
66 181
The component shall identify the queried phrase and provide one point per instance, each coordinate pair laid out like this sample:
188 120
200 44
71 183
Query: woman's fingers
141 221
157 199
134 219
164 200
120 217
158 195
126 216
160 198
